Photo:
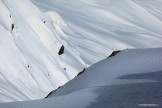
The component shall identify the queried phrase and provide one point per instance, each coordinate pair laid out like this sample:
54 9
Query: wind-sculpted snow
29 62
46 44
132 78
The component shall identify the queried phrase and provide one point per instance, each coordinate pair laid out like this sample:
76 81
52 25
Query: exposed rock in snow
81 72
114 53
61 51
52 92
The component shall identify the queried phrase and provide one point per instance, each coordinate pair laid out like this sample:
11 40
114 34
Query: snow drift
130 78
41 50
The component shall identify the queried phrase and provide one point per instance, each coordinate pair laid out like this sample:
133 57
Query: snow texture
126 80
46 44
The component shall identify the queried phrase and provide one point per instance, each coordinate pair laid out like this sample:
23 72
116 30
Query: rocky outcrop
114 53
61 51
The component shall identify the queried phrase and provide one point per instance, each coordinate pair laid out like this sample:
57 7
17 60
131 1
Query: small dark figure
61 51
64 68
44 21
114 53
28 66
10 15
81 72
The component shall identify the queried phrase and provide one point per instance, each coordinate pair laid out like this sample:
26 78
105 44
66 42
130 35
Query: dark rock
52 92
12 27
61 51
49 94
114 53
81 72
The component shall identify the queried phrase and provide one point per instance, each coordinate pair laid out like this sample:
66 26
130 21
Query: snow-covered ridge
41 50
128 79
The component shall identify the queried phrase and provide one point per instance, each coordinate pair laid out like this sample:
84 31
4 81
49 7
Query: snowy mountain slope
41 50
29 63
127 67
153 6
131 78
122 22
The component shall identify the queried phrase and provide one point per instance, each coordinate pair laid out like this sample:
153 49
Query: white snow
30 39
130 78
111 71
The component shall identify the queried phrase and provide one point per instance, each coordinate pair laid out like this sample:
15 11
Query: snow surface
30 39
126 80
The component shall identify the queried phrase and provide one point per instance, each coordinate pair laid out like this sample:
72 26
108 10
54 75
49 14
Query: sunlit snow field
32 32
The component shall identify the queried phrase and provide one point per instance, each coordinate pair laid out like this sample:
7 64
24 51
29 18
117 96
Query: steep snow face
128 79
117 24
41 50
31 63
152 6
